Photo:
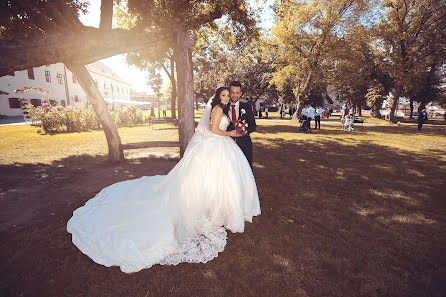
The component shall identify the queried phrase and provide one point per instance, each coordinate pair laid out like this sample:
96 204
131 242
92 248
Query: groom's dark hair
235 83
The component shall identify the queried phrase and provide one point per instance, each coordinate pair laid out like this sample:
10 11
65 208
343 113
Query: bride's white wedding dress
174 218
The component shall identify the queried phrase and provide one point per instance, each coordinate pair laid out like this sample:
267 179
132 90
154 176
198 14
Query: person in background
325 114
164 110
311 113
266 112
344 114
317 118
348 122
422 117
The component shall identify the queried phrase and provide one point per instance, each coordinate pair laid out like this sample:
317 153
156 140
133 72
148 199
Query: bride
178 217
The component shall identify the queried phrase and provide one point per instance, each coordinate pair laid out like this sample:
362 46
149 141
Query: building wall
59 77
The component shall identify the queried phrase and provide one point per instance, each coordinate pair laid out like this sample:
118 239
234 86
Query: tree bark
115 152
84 47
106 15
396 99
411 107
299 103
375 109
185 89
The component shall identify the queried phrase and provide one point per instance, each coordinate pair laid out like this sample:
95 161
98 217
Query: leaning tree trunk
185 89
396 98
376 109
115 152
299 103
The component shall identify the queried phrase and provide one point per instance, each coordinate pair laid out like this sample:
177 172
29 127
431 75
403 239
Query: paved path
18 120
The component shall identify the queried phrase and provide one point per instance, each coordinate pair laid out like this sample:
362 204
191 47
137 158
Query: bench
359 120
149 144
153 121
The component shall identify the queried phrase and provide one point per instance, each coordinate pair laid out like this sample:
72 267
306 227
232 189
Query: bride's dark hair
216 100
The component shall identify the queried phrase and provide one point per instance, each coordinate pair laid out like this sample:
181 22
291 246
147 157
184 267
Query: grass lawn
358 213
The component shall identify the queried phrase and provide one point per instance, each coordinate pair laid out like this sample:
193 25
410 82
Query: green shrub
71 119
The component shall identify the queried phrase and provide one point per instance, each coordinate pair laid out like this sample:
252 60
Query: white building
60 86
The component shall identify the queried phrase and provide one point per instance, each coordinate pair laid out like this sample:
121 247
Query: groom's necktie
234 117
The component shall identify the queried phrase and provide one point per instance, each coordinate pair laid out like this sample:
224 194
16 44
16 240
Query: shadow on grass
337 220
349 215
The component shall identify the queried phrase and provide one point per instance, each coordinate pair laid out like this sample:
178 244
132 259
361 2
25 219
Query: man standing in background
310 114
317 118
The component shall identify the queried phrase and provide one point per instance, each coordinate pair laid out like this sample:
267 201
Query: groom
241 111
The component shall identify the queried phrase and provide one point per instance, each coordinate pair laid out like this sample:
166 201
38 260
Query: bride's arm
216 115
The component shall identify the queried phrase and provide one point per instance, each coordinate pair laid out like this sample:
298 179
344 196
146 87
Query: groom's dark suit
244 141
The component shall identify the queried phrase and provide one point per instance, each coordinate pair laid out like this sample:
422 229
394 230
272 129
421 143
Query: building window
14 103
31 73
36 102
53 102
76 98
97 83
59 78
74 79
105 86
47 76
62 102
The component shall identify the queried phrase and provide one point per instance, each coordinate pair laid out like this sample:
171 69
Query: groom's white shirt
237 109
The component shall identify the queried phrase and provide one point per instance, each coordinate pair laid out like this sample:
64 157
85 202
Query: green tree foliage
412 35
302 35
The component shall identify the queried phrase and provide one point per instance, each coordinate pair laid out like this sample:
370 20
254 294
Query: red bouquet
241 126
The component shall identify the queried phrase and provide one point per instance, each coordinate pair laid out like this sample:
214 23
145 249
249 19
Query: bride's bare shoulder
217 109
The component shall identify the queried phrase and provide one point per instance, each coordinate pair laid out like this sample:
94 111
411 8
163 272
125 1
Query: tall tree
412 35
302 34
150 15
56 35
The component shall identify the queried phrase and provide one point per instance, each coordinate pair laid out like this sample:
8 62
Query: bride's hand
234 133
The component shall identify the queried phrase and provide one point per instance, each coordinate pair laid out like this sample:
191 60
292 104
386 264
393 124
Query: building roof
102 69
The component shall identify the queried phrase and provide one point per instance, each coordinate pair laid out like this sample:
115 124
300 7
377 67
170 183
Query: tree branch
87 46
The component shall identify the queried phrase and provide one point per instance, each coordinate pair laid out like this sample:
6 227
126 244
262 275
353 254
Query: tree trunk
376 109
115 152
396 99
299 103
183 56
411 107
173 93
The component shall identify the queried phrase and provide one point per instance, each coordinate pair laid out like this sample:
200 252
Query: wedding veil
202 128
203 125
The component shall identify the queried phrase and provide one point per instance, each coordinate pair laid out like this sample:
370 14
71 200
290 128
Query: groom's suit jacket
244 141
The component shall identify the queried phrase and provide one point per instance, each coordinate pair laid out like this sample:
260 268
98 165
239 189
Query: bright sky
135 77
